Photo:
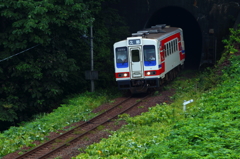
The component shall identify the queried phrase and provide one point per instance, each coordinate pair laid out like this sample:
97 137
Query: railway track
70 137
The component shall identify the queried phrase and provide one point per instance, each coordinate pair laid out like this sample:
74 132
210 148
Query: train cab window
149 55
121 57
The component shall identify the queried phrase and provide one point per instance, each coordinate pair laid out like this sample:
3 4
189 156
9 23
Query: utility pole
91 74
92 80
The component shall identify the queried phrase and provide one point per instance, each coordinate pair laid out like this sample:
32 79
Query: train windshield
121 57
149 55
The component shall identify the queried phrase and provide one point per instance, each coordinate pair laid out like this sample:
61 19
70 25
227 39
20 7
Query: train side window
164 51
170 47
174 48
167 49
175 44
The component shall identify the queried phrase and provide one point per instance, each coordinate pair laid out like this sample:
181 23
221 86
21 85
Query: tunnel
179 17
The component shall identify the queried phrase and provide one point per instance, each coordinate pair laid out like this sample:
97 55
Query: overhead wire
19 53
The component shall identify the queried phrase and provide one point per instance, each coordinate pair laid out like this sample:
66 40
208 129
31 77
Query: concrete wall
205 22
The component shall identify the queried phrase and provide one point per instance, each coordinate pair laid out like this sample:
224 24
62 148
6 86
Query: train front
136 64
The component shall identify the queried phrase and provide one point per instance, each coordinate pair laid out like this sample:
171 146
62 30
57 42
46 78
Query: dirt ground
164 96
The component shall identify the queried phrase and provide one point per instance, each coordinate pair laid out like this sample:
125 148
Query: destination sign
134 42
121 49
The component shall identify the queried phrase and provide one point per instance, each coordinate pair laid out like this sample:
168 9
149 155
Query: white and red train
149 58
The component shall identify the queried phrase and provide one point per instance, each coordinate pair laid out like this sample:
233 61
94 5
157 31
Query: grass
69 139
58 140
86 138
78 131
101 127
138 100
75 108
203 131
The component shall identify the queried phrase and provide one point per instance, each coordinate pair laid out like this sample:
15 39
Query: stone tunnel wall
214 18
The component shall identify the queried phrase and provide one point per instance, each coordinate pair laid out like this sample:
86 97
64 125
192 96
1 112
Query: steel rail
68 132
77 138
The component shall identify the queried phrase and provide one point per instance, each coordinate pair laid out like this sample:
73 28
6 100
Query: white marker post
185 103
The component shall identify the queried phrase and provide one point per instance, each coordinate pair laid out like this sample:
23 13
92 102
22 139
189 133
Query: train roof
155 32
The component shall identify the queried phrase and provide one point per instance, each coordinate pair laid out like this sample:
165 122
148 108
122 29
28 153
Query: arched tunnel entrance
179 17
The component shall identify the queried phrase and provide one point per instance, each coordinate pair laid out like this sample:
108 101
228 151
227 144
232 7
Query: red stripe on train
121 75
158 72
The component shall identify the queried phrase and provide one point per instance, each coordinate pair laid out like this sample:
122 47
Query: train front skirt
139 85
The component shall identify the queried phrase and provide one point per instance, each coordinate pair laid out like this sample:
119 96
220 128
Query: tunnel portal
179 17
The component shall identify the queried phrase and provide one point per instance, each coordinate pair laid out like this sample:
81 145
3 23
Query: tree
109 27
37 78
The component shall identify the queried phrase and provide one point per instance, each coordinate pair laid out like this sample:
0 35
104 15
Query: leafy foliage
108 28
208 129
76 108
36 79
44 22
230 44
232 40
213 125
40 77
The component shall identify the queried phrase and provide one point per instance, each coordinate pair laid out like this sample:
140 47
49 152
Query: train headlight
123 75
150 73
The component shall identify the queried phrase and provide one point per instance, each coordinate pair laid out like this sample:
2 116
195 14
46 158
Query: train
149 58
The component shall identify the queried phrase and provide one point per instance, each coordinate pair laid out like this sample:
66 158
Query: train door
136 64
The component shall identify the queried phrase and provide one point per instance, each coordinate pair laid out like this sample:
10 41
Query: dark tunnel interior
179 17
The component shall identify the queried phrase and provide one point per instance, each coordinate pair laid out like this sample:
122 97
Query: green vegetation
101 127
40 77
77 108
35 80
209 128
